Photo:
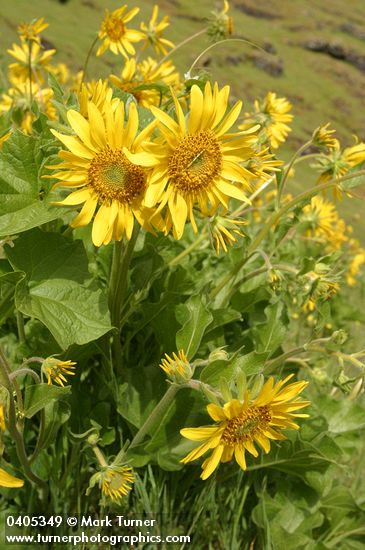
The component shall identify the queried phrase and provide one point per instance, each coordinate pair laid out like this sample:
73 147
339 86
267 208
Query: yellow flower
147 72
273 114
263 164
197 162
153 32
19 98
56 370
96 164
177 367
116 482
338 163
31 31
61 72
99 93
40 61
239 425
321 216
115 35
323 137
7 480
223 230
357 261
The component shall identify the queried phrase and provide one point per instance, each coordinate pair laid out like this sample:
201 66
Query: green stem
84 69
186 41
100 457
278 361
13 430
222 42
25 371
187 250
289 167
156 415
20 325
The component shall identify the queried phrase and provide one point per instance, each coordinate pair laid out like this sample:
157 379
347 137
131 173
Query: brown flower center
246 425
114 28
196 161
114 177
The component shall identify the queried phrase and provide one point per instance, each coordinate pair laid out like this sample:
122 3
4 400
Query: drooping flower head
116 36
322 220
225 231
116 482
177 367
221 24
56 370
242 424
273 113
153 33
197 162
110 186
29 32
323 136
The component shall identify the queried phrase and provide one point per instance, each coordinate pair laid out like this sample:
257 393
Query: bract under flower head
177 367
242 424
109 185
197 162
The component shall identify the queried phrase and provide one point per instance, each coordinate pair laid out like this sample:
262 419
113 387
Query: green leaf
342 416
271 334
22 201
195 318
57 288
250 364
38 396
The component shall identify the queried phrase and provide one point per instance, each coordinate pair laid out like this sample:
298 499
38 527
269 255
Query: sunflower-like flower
29 32
196 162
338 163
115 35
116 482
56 370
241 424
356 263
109 185
153 33
263 164
177 367
135 76
273 113
223 231
39 62
320 286
8 480
321 217
323 136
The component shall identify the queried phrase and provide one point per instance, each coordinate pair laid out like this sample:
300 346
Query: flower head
116 482
153 32
273 114
323 136
29 32
242 424
56 370
197 163
109 185
39 62
223 231
177 367
322 221
115 35
7 480
221 24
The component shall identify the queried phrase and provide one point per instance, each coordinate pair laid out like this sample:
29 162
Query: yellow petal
7 480
74 145
80 125
229 120
97 126
86 213
239 454
77 197
199 434
212 462
179 213
216 412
